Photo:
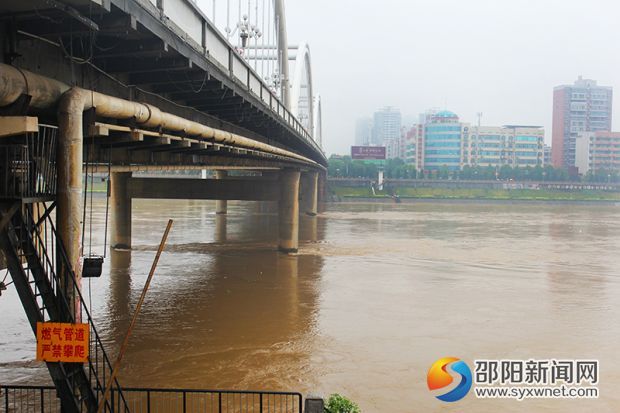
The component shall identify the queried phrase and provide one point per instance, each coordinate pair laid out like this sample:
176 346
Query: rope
107 203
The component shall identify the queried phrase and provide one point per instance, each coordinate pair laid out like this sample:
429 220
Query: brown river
377 293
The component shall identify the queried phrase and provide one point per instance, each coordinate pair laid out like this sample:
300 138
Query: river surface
377 293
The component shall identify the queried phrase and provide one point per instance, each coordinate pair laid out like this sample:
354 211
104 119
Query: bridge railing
195 28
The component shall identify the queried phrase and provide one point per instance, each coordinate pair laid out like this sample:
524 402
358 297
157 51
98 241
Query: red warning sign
63 342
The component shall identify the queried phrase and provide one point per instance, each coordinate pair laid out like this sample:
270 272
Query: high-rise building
581 107
443 140
597 151
386 126
363 131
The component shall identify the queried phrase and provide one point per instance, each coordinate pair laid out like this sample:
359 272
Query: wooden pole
121 352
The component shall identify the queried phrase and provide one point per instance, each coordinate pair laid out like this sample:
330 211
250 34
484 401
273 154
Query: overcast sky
499 57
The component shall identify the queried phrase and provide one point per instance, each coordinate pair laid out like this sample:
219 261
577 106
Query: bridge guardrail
185 17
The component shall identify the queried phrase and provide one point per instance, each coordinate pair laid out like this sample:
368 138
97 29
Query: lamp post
247 31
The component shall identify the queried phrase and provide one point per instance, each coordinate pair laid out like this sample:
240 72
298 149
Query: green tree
506 172
444 172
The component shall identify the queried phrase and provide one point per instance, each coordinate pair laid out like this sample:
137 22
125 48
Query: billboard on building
368 152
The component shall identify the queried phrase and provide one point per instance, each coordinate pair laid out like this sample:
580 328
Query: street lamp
247 31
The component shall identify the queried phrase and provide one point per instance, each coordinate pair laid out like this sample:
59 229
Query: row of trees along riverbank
345 167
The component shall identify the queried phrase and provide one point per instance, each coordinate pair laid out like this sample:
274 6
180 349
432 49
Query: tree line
345 167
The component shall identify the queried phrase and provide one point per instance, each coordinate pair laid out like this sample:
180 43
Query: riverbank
541 195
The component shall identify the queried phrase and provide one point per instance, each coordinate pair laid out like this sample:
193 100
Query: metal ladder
26 242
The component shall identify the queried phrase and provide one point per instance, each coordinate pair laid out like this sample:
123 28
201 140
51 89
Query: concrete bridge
136 85
124 86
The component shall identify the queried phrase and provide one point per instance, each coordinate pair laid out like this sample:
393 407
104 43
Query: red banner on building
63 342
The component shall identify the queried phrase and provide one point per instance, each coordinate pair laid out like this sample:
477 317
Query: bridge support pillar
322 191
221 205
220 228
288 225
121 210
309 192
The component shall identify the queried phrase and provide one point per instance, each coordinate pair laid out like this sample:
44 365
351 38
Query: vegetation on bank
340 404
477 193
345 167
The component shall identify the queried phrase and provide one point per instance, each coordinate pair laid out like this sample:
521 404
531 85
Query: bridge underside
127 49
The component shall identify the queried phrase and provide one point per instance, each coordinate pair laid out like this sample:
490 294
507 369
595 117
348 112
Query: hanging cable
238 23
107 202
227 28
268 75
85 199
256 34
90 217
262 49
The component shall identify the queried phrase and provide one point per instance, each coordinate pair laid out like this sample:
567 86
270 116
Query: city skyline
401 52
580 111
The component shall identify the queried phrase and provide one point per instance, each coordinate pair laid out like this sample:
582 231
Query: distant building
581 107
547 155
443 139
386 126
597 151
512 145
413 146
363 131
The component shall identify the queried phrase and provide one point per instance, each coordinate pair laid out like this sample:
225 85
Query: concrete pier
288 207
120 201
221 205
309 192
322 191
220 234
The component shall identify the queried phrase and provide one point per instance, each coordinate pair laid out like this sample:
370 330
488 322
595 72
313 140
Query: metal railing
29 399
15 398
28 166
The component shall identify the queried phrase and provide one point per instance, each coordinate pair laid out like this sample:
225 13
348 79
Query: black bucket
92 266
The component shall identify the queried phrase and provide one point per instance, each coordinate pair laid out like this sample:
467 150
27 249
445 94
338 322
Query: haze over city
501 58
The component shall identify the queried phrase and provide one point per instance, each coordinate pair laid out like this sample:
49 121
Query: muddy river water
377 293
